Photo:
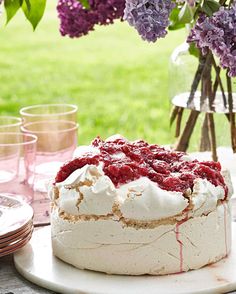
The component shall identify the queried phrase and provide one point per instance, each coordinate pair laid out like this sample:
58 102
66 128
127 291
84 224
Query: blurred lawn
119 82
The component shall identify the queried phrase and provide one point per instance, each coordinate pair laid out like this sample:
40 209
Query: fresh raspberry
125 161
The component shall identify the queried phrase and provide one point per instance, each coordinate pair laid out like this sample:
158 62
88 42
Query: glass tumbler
45 112
17 163
57 141
10 124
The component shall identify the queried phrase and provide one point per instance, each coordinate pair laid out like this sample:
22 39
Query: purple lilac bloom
108 10
149 17
218 34
77 20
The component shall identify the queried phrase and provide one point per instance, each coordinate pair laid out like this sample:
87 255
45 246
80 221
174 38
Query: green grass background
118 81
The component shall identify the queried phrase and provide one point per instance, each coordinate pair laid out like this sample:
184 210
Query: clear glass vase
183 68
202 118
182 72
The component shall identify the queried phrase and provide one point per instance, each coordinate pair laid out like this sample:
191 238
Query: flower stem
183 143
217 70
178 122
205 144
196 80
206 84
231 113
173 114
211 125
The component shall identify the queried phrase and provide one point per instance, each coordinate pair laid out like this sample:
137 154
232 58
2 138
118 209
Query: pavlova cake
134 208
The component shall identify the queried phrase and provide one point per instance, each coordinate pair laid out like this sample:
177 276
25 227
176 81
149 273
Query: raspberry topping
125 161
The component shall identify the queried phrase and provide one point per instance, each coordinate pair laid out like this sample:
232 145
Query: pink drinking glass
45 112
17 162
10 124
57 141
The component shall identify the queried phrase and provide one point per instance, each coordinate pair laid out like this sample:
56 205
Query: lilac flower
108 10
149 17
218 34
77 21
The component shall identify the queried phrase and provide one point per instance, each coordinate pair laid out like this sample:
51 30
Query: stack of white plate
16 224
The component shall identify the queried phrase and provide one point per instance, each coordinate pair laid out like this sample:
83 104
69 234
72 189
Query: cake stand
37 264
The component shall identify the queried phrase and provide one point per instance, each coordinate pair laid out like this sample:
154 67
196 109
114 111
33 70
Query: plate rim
26 220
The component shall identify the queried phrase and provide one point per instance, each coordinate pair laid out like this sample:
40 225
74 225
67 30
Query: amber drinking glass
46 112
57 140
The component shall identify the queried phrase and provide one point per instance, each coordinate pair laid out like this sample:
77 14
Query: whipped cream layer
88 191
109 246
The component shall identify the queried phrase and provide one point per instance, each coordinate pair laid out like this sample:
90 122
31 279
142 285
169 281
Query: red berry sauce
127 161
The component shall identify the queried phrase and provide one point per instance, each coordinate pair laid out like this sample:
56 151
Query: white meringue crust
108 246
138 228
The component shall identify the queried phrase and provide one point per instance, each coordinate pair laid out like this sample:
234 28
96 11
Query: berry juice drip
225 226
177 236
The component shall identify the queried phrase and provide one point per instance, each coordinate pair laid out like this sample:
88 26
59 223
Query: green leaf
186 14
210 6
85 3
28 4
11 7
174 20
193 50
174 14
34 10
176 26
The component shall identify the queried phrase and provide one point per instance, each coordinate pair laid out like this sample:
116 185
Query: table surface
10 281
